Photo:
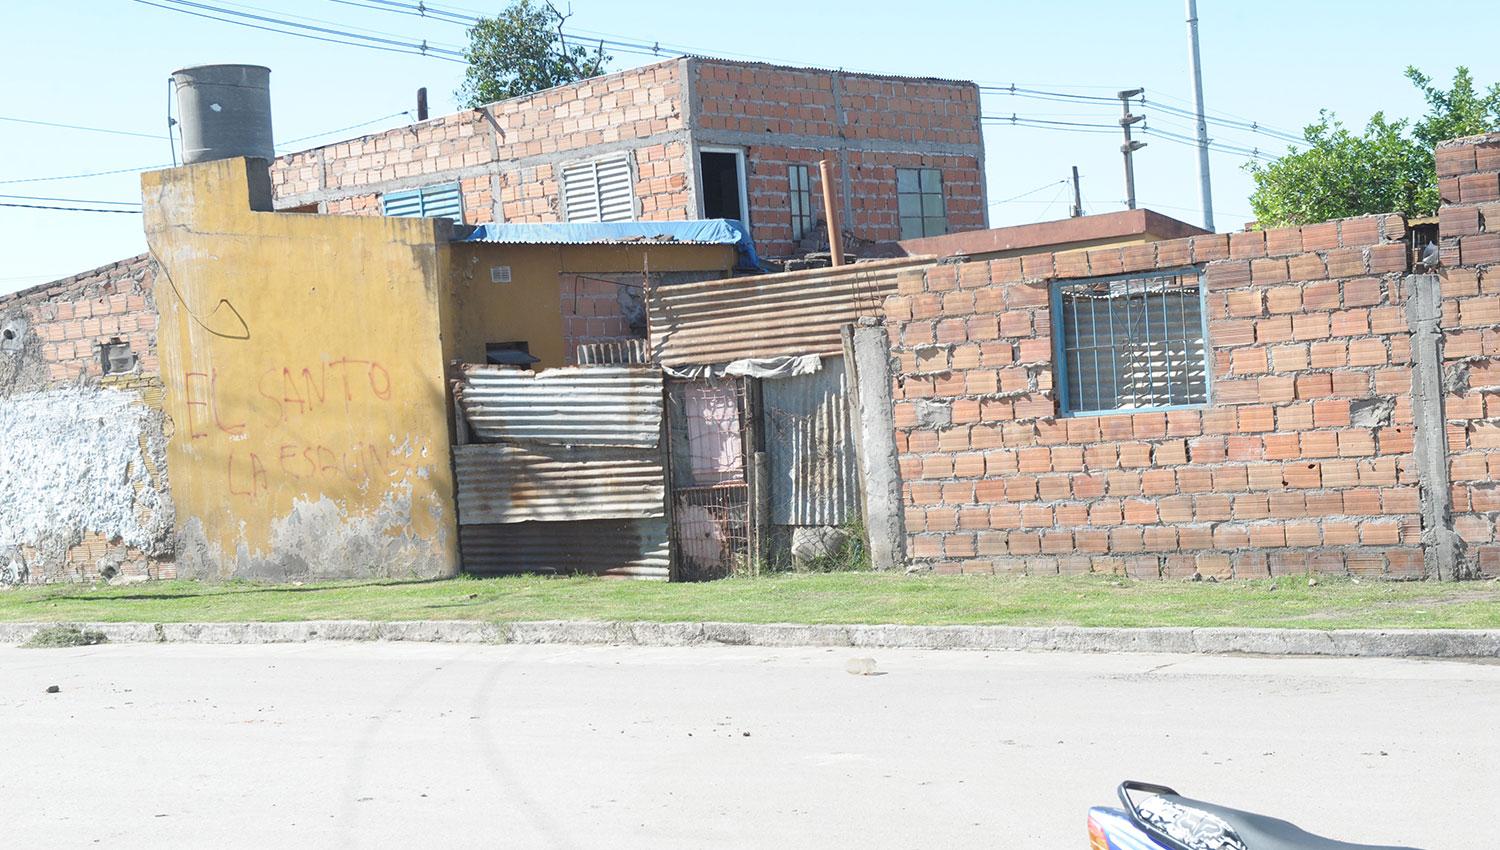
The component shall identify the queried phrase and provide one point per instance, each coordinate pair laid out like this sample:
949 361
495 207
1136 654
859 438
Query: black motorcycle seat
1266 833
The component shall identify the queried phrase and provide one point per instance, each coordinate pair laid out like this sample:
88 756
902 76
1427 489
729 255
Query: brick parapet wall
66 321
1469 233
1301 462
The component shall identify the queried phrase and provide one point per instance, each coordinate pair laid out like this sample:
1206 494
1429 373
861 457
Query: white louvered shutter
598 190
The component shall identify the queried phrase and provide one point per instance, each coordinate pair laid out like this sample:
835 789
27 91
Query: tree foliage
523 50
1386 168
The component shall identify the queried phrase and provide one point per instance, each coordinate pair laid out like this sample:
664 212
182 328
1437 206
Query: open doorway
721 174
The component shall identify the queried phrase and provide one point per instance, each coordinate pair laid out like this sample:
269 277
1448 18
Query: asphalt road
368 745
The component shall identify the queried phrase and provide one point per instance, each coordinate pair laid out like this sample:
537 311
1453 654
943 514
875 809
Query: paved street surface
362 745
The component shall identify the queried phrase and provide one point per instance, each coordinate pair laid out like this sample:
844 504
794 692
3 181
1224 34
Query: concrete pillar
1424 315
885 524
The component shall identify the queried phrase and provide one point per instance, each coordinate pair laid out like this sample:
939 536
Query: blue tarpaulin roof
711 231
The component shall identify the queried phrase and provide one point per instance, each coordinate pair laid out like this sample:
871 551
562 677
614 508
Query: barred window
1131 343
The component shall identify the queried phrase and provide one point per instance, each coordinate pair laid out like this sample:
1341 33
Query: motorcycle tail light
1097 840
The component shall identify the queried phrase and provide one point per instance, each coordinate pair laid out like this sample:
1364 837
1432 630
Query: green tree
1459 111
523 50
1384 169
1341 174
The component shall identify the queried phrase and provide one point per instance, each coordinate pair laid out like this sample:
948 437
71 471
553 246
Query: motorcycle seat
1260 832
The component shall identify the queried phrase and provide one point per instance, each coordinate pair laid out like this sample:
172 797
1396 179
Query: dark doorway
723 193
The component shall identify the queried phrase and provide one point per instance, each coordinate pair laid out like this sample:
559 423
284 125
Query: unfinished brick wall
65 424
60 326
601 308
1301 462
507 156
511 140
1469 227
873 124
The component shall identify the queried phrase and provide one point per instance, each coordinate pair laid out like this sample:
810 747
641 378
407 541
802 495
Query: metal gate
710 491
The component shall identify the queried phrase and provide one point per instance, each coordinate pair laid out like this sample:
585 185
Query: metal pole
1203 178
1077 195
1130 147
422 104
831 211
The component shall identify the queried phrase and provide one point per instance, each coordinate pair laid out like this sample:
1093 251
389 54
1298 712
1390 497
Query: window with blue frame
444 200
1131 343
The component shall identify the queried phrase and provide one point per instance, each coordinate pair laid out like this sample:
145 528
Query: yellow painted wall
530 306
304 383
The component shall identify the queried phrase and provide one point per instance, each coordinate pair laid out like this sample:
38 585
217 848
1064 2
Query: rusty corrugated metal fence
569 474
572 406
810 448
793 313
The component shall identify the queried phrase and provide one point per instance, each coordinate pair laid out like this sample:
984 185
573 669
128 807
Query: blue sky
104 64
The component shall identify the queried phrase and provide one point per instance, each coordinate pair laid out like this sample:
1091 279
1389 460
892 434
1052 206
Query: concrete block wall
1302 462
1469 229
63 420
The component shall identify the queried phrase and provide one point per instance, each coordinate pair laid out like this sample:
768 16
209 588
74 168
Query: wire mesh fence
710 492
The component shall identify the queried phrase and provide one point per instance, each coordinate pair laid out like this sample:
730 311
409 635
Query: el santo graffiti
262 425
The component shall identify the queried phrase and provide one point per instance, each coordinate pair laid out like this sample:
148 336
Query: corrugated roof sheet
576 405
793 313
501 483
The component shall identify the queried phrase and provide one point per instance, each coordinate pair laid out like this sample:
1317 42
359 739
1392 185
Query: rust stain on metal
793 313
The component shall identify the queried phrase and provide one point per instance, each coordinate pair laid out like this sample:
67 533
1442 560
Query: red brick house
686 138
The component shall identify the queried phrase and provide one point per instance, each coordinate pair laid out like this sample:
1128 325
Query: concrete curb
1363 643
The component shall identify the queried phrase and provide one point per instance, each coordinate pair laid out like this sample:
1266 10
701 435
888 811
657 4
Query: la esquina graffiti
284 394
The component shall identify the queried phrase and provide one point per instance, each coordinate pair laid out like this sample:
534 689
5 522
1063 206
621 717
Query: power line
371 42
80 127
85 174
342 129
1015 198
69 209
1069 97
70 200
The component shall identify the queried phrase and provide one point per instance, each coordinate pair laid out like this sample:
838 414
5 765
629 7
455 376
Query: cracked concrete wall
1302 461
82 487
305 383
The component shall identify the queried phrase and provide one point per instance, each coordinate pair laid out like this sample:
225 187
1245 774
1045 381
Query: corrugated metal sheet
500 483
620 548
768 315
578 406
810 448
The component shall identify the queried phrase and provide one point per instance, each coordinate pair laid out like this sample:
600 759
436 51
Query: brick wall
518 142
1301 462
66 321
601 308
873 124
1469 227
54 401
506 157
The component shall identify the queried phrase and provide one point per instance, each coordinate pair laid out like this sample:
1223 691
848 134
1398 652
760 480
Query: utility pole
422 104
1130 147
1077 195
1203 180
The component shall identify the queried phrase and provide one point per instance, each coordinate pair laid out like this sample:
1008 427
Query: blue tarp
711 231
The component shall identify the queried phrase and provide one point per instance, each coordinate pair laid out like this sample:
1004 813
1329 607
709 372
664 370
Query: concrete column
885 524
1441 548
